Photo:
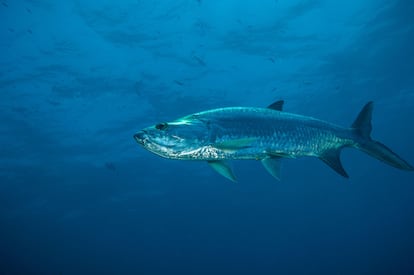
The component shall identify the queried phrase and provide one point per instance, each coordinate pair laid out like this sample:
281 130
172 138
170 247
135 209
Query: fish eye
161 126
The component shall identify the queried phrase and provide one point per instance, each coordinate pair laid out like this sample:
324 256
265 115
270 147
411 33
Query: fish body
266 134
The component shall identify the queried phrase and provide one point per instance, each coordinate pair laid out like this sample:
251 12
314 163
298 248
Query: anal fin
272 165
332 159
223 168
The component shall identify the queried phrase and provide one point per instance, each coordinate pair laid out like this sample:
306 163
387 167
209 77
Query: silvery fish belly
266 134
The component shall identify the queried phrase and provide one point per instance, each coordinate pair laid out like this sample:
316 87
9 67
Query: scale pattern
267 132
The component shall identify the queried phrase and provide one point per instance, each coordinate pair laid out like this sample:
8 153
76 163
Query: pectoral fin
272 165
235 144
223 168
332 158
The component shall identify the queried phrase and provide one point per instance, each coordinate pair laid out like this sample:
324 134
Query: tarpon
265 134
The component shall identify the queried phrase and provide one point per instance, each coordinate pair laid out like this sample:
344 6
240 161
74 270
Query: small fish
5 4
266 134
199 60
110 166
179 83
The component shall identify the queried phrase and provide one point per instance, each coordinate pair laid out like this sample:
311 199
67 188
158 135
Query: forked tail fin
362 128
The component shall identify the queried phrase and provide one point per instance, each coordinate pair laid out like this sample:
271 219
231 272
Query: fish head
178 139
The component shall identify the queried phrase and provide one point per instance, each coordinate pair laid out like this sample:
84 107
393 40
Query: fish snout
140 137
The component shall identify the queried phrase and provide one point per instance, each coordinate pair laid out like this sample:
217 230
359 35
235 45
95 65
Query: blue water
79 78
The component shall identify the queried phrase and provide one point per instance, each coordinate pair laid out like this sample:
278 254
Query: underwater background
79 196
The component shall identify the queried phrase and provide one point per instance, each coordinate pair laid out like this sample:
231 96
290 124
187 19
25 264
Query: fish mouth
140 137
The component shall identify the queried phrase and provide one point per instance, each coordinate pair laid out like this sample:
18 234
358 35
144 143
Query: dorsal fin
278 105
